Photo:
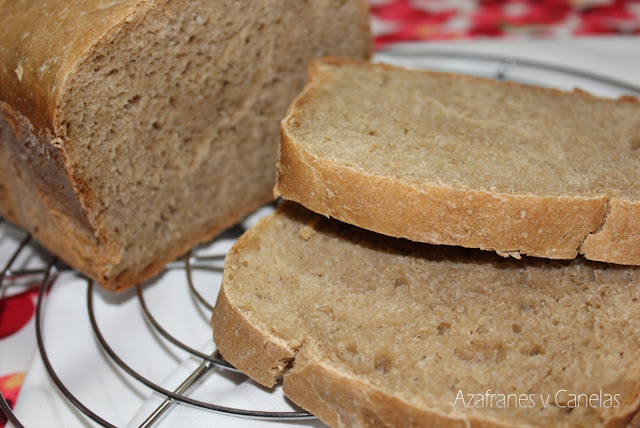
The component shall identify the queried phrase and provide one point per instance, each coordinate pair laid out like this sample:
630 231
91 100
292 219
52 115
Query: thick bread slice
130 130
368 330
459 160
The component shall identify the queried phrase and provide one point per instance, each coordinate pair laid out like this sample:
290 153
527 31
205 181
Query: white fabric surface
105 389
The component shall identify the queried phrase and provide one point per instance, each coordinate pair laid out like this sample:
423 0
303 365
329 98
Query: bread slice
368 330
133 129
459 160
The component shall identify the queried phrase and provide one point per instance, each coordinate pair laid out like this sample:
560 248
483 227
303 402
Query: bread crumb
373 147
325 309
57 142
507 254
19 71
169 14
308 230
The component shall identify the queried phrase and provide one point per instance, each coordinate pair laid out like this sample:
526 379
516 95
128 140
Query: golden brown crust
618 239
533 225
258 354
553 227
634 421
340 400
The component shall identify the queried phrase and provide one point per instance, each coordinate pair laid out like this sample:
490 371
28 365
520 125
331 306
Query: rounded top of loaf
36 62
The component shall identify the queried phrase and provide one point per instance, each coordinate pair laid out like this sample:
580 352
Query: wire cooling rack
48 273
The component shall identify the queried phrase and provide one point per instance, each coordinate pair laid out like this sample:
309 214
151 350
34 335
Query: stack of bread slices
368 292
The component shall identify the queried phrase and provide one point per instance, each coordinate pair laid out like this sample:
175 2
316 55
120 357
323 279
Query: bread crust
618 238
602 227
341 400
236 332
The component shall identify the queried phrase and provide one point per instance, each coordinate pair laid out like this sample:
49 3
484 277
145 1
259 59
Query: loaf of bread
370 331
458 160
132 129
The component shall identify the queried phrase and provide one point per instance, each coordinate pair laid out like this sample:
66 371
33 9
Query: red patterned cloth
415 20
17 340
10 386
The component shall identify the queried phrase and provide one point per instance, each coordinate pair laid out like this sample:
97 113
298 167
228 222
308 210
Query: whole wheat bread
459 160
130 130
368 330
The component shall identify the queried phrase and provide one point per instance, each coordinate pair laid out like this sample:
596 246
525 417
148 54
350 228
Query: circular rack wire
501 68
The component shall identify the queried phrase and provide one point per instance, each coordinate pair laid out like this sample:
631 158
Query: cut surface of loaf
460 160
369 330
130 130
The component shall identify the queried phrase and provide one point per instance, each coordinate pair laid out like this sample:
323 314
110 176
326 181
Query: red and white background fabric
396 21
393 21
17 340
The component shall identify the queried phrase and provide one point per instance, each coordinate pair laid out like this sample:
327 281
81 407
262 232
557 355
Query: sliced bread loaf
370 331
130 130
459 160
